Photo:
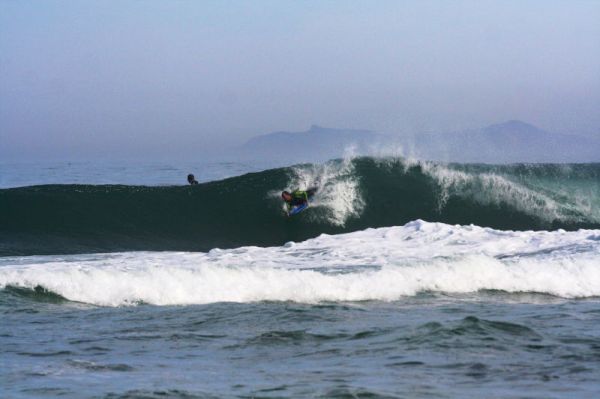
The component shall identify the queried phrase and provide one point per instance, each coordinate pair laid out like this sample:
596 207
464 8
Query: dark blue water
482 345
21 174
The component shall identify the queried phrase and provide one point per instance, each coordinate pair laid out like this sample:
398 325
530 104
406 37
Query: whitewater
375 264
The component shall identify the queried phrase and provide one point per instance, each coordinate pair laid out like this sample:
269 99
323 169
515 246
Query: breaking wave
375 264
354 195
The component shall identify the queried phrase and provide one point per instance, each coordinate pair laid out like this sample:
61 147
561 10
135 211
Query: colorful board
297 209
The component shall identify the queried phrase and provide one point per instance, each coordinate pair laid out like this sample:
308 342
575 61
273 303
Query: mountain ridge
513 141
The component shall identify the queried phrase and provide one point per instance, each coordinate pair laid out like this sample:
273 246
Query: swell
246 210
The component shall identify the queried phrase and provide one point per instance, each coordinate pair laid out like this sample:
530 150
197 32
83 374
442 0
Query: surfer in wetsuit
297 198
191 179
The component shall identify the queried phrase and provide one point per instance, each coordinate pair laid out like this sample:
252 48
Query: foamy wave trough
374 264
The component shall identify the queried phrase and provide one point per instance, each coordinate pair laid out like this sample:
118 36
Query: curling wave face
374 264
246 210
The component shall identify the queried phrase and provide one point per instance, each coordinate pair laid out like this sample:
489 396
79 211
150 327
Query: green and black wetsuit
300 197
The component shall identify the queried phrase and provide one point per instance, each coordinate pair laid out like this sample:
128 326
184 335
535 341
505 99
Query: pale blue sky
171 78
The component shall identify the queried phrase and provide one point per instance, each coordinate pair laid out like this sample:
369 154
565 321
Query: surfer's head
191 179
286 196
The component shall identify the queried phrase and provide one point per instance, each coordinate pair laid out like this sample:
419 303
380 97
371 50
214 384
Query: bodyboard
297 209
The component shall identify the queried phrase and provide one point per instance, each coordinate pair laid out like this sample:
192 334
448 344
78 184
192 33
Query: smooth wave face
246 210
376 264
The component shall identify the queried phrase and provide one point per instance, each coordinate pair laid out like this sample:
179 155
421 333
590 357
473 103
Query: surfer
191 179
297 199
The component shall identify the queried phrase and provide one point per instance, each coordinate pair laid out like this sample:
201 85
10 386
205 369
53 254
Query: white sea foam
374 264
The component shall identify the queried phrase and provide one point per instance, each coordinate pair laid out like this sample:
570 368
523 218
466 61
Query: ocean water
403 279
22 174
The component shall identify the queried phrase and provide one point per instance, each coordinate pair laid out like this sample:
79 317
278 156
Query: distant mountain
509 142
316 144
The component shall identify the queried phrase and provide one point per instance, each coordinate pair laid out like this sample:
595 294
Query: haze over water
162 80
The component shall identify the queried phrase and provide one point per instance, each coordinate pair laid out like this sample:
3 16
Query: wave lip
375 264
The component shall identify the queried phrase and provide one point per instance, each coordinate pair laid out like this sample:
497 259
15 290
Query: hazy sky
170 78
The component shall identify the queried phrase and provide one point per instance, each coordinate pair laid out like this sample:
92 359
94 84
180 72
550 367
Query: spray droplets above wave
247 210
375 264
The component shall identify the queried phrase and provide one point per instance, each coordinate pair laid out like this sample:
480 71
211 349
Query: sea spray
338 190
